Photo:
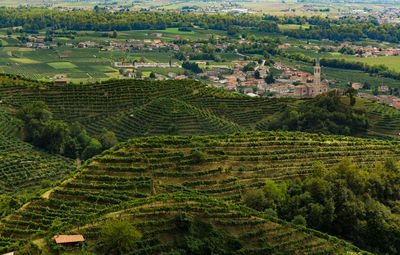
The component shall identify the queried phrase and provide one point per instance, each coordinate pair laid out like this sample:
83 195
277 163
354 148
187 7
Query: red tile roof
68 238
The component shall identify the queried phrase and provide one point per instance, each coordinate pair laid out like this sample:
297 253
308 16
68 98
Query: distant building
156 34
383 88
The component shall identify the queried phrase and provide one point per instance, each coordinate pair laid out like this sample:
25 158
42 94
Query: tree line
326 113
315 27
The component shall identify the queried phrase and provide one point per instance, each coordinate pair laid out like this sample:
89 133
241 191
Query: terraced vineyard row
23 166
8 125
222 166
163 116
384 119
260 234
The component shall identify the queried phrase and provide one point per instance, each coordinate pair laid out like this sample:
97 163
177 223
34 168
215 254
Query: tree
249 67
269 79
198 156
299 220
118 237
54 135
34 115
108 140
352 92
92 149
233 30
255 199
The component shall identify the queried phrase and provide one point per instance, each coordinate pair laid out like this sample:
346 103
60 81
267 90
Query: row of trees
101 20
57 136
356 203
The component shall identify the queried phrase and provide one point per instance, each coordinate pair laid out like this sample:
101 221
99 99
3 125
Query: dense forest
360 204
326 114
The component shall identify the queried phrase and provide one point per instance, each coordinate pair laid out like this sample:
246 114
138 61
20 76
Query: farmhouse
383 88
69 241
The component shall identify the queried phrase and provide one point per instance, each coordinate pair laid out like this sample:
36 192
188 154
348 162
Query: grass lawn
393 62
62 65
293 26
175 30
24 60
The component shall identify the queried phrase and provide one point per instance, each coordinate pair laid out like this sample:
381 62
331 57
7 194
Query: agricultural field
146 179
91 64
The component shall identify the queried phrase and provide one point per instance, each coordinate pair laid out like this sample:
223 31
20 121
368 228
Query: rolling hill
131 108
149 180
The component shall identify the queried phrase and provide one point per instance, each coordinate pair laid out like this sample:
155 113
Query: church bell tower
317 73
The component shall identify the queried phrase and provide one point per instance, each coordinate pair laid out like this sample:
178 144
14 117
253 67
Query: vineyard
8 124
23 166
384 119
129 107
132 178
136 108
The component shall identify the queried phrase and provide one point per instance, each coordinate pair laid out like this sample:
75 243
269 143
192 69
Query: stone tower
317 73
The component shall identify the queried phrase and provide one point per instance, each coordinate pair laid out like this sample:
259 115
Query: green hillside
131 178
163 116
8 124
384 119
132 108
25 171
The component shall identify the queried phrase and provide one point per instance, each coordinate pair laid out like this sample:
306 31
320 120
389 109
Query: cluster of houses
290 83
384 99
145 44
359 51
146 65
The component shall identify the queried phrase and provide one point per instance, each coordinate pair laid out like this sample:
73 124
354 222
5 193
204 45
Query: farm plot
62 65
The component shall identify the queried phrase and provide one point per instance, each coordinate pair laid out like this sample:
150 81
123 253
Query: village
249 77
350 49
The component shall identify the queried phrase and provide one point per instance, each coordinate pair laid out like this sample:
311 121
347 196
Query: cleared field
393 62
292 26
62 65
175 30
25 60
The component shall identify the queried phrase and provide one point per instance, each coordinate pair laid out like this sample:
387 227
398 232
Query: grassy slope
119 183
